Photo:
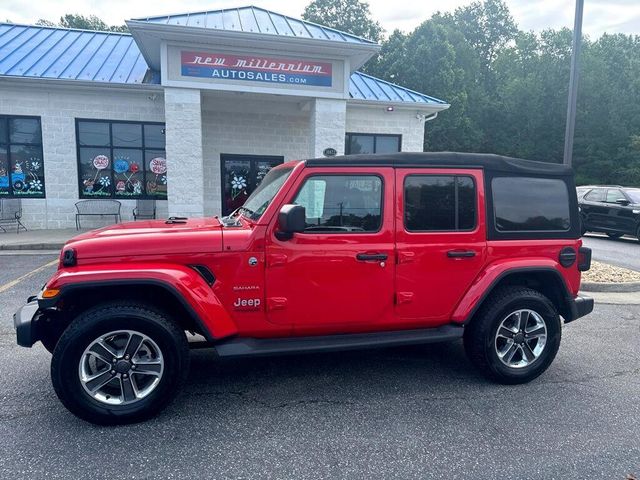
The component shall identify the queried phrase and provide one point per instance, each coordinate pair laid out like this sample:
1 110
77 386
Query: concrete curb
32 246
610 287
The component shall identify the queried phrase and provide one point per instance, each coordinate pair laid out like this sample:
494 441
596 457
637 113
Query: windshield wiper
231 218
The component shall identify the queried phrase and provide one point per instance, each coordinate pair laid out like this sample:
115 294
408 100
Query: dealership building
190 110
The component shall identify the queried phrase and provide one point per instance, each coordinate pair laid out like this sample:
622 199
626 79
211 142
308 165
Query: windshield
634 195
261 197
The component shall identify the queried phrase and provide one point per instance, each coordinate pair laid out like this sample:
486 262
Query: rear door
593 209
440 241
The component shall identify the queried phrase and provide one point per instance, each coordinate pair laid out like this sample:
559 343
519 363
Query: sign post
573 84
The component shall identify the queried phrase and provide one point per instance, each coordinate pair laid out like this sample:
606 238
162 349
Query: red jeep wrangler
327 254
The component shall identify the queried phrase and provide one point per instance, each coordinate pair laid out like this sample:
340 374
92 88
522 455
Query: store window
21 161
241 175
372 143
121 159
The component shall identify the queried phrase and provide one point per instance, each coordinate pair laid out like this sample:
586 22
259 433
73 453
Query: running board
248 347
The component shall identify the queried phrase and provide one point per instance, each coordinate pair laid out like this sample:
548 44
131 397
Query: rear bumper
579 307
24 321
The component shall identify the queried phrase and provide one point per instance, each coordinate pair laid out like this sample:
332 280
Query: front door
440 241
241 174
338 275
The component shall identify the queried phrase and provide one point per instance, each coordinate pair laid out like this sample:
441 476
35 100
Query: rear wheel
614 235
515 336
119 363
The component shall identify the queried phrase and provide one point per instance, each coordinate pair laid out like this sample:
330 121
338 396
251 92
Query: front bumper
25 323
579 307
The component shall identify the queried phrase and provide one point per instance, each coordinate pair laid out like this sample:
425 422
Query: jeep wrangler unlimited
327 254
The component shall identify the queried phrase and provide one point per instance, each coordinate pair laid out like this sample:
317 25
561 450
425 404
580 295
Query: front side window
439 203
530 204
342 203
121 159
21 160
372 143
613 195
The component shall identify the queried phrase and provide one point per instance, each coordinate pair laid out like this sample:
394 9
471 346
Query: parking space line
16 281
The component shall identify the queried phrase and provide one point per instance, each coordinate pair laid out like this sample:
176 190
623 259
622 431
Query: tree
351 16
71 20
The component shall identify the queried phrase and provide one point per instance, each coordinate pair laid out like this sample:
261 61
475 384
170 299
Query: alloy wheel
521 338
121 367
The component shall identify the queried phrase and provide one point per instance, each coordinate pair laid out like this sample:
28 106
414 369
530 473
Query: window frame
348 136
341 174
457 213
8 146
143 148
623 195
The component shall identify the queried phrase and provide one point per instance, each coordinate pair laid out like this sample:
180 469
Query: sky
611 16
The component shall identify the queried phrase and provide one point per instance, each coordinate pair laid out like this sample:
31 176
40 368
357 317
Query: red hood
152 237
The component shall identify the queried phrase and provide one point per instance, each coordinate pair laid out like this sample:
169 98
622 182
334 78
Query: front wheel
515 336
119 363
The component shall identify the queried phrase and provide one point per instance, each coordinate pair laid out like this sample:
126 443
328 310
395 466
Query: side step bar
247 347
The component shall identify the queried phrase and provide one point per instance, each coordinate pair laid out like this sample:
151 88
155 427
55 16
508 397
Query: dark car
613 210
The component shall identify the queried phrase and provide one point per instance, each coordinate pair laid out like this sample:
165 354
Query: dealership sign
256 69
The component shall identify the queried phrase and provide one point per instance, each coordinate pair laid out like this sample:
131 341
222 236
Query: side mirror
622 201
291 219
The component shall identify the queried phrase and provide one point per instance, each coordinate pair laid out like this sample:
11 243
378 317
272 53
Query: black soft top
489 162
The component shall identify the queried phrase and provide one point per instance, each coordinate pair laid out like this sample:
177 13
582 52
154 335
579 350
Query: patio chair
97 207
11 213
145 209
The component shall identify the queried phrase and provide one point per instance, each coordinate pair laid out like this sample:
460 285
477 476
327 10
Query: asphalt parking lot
401 413
622 252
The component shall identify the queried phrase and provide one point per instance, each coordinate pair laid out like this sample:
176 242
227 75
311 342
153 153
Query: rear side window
341 203
530 204
439 203
595 195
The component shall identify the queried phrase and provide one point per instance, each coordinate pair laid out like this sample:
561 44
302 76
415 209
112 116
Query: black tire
480 334
101 320
615 236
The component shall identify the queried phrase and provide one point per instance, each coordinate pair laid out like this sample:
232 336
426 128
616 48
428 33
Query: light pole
573 84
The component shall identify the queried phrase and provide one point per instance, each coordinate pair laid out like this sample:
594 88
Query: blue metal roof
108 57
50 52
256 20
366 87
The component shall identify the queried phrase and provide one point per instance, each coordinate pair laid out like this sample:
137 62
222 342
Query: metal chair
11 213
145 209
97 208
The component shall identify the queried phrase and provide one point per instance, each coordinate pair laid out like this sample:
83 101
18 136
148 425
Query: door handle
367 257
461 253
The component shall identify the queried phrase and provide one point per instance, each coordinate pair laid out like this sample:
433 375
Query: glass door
241 174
